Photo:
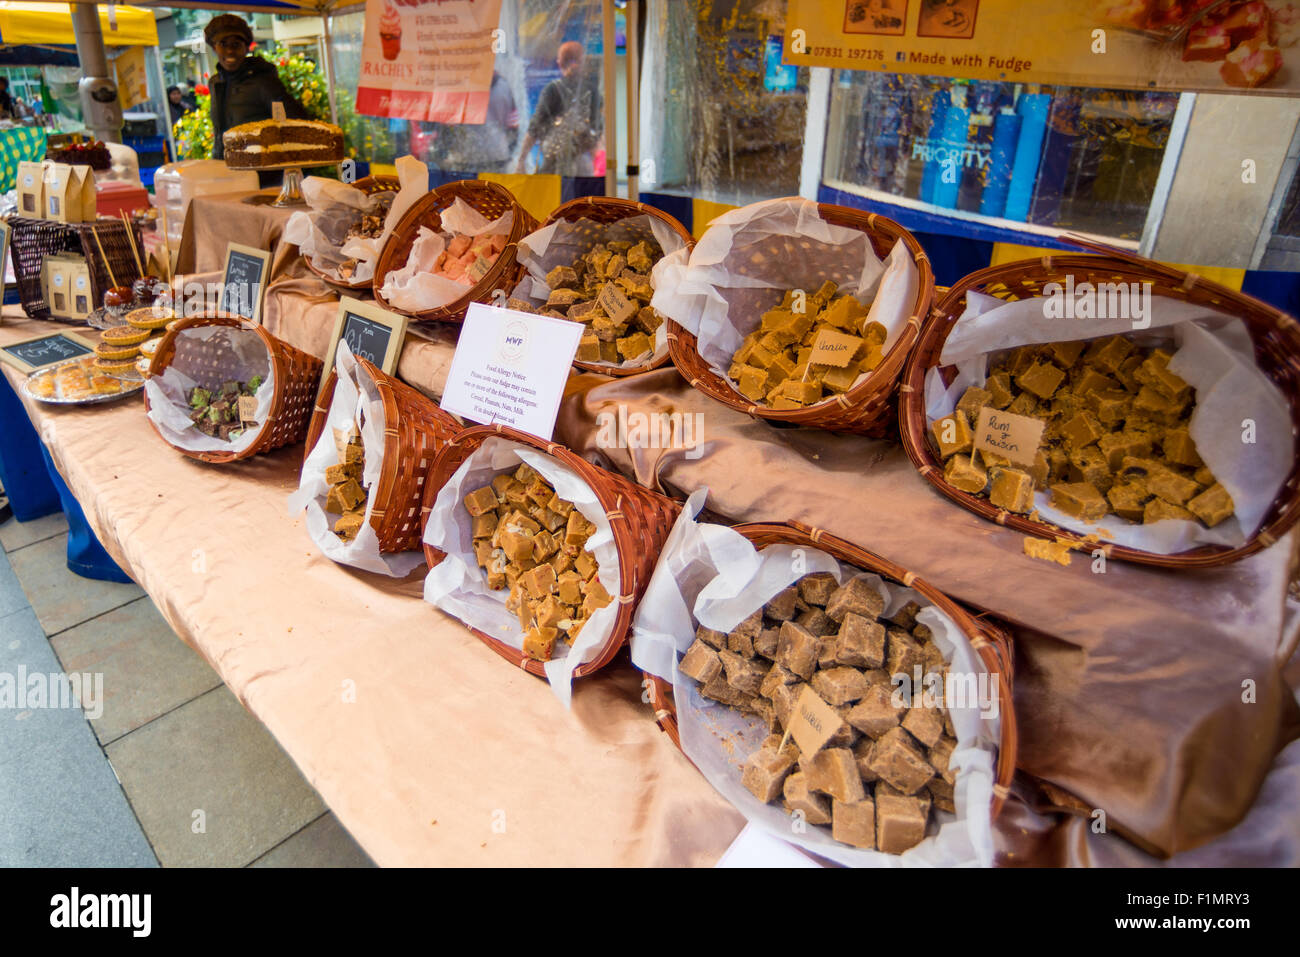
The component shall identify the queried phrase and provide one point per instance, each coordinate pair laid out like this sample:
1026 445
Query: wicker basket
1277 350
640 520
990 641
415 429
297 375
490 199
610 209
34 239
370 185
868 407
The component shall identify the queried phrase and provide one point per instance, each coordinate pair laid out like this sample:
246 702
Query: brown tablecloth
1128 683
214 221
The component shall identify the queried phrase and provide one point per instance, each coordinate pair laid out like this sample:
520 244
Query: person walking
569 120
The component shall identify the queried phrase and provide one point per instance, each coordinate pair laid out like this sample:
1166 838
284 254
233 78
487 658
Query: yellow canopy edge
51 23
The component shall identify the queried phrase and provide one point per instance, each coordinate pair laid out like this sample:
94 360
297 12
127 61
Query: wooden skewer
167 246
111 278
130 238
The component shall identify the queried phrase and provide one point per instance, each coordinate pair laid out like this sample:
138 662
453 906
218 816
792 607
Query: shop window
722 118
1062 158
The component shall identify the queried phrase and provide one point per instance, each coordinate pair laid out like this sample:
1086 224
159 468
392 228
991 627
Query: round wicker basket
297 375
640 520
867 408
610 209
369 185
990 641
415 430
1276 337
490 199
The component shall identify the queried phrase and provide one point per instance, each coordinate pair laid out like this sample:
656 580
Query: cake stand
291 188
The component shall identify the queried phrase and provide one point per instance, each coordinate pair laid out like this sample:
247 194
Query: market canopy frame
50 24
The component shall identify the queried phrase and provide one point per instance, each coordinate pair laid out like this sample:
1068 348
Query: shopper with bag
569 121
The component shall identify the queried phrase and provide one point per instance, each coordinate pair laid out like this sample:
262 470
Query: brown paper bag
31 189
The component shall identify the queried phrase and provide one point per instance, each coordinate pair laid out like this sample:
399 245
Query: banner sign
132 87
1237 46
428 59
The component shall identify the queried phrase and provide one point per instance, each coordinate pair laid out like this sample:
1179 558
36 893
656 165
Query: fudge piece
900 823
964 474
942 793
1042 379
924 724
797 649
700 662
898 761
1105 355
817 622
827 654
817 588
941 755
854 823
781 607
902 653
740 644
776 677
857 596
1081 430
860 642
1172 487
840 685
750 626
539 643
765 643
1023 404
1012 490
1067 353
1180 449
350 523
862 753
999 389
765 772
783 699
715 639
1212 506
1118 446
743 674
952 434
1079 500
1157 510
833 771
1089 465
1127 498
876 713
816 809
972 400
719 690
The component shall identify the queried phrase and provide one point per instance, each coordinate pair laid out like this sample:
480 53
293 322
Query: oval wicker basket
493 201
610 209
867 408
989 640
297 374
415 430
370 185
1276 337
640 520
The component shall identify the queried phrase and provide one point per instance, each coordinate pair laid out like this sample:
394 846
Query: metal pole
98 91
166 104
611 138
329 64
633 101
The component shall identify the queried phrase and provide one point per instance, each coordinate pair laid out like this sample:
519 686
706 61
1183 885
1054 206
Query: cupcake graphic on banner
390 32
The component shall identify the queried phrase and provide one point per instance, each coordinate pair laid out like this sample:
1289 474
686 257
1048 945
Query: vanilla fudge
831 638
1115 441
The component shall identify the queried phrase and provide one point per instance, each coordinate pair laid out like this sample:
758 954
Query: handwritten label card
1016 437
813 722
615 303
833 348
277 111
478 269
247 408
511 367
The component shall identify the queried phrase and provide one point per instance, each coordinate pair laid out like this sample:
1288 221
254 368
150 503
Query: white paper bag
749 257
320 233
718 739
356 403
458 585
1212 353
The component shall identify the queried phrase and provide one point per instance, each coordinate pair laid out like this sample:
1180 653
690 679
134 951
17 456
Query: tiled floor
163 765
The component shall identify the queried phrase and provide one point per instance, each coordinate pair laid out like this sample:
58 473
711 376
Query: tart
125 335
111 351
114 366
105 385
146 318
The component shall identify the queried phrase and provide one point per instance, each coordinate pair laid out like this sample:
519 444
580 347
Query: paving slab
60 598
15 534
147 670
322 843
210 786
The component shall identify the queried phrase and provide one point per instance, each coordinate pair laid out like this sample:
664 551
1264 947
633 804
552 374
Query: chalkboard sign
244 281
32 354
372 333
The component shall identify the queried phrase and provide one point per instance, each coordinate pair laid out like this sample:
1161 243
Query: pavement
156 763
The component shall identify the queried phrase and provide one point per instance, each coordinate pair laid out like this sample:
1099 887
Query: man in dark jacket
244 87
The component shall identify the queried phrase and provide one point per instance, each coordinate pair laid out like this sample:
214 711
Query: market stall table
1124 687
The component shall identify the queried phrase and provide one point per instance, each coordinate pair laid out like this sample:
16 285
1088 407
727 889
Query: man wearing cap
244 87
